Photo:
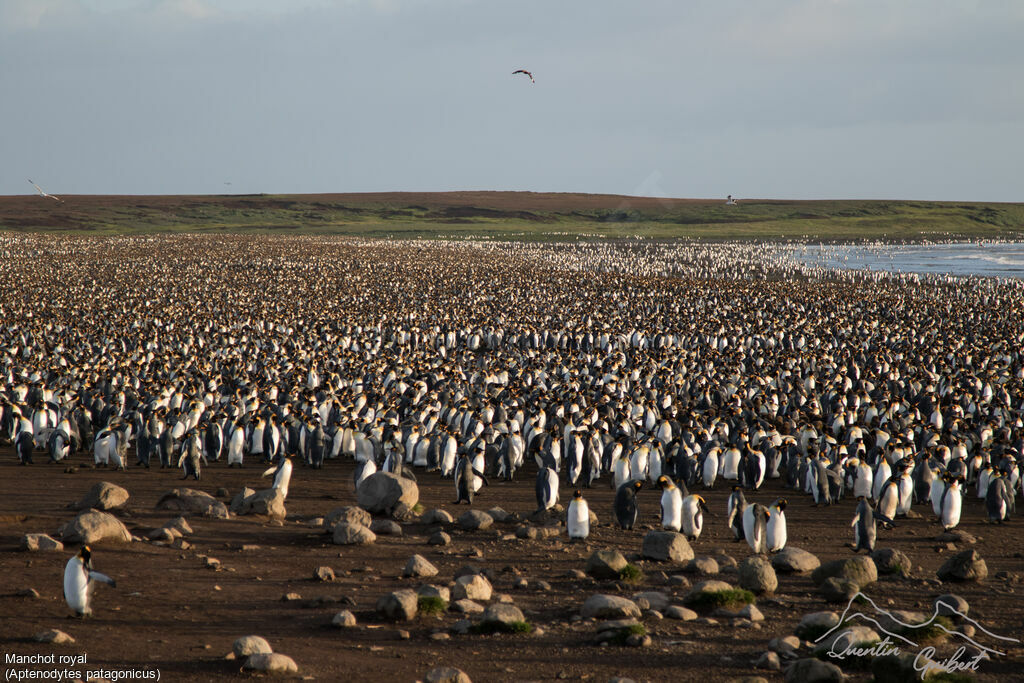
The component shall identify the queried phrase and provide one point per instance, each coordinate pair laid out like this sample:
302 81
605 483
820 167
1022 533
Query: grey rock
757 575
344 619
271 663
816 623
956 536
813 671
53 636
498 515
94 527
437 516
431 591
501 613
239 500
792 560
323 574
616 625
162 535
708 586
953 601
386 527
193 502
526 532
439 538
40 542
353 534
666 546
250 645
465 606
895 619
705 566
179 525
350 514
748 612
786 645
419 566
838 590
964 566
267 502
386 493
859 570
655 600
472 587
474 520
103 496
400 605
446 674
609 607
680 613
892 561
846 636
605 564
770 661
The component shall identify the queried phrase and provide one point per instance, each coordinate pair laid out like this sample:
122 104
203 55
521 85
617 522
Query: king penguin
546 487
79 581
671 504
466 480
693 516
736 505
577 519
775 533
864 530
952 501
282 472
625 503
755 526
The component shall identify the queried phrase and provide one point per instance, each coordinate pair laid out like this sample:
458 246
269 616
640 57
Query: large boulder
473 520
757 575
472 587
269 502
37 542
859 570
605 564
892 561
609 607
103 496
502 614
964 566
666 546
193 502
388 494
350 514
400 605
353 534
792 560
250 645
94 527
848 635
271 662
419 566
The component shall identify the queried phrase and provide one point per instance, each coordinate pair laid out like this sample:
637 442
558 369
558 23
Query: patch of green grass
431 605
631 574
499 627
418 509
932 632
712 600
623 634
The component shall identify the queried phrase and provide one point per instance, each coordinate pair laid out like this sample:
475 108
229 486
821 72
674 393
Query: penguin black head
86 554
737 487
577 495
638 484
781 504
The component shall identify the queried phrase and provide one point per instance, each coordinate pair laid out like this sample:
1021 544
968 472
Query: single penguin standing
755 527
693 516
888 502
191 456
577 519
736 505
998 499
546 487
625 503
671 504
776 534
79 581
951 504
466 480
282 472
864 529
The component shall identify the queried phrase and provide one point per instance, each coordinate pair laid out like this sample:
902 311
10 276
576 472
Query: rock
849 635
498 515
465 606
964 566
473 520
792 560
951 603
103 496
838 590
526 532
350 514
40 542
386 527
344 619
757 575
666 546
786 645
705 566
859 570
250 645
709 586
239 500
162 535
472 587
93 527
193 502
468 569
892 561
770 661
609 607
267 502
439 538
271 662
419 566
895 668
401 605
655 600
956 536
446 674
813 671
814 624
638 640
605 564
325 574
53 636
291 597
437 516
179 525
680 613
431 591
748 612
388 494
503 614
353 534
894 620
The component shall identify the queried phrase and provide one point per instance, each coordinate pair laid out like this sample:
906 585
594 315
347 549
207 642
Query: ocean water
993 259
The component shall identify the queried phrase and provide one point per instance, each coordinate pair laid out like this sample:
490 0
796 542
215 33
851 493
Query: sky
797 99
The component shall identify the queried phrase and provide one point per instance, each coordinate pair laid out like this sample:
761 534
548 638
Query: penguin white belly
478 465
552 496
671 509
889 502
775 537
692 519
577 522
863 482
951 509
76 586
730 467
283 478
622 472
710 470
638 463
938 488
366 468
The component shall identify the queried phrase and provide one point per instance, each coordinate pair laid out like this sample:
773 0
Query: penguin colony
675 366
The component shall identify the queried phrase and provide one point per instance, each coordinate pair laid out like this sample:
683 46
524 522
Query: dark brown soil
171 612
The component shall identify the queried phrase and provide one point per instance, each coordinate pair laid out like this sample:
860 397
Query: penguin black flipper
102 578
482 477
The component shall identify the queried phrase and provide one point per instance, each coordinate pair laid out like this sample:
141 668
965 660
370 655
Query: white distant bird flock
44 194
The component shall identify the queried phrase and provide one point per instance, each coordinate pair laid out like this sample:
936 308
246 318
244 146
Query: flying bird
524 71
43 194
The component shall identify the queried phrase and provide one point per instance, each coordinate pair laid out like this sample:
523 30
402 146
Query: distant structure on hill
729 201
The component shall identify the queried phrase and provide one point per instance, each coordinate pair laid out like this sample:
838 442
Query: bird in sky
524 71
44 194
